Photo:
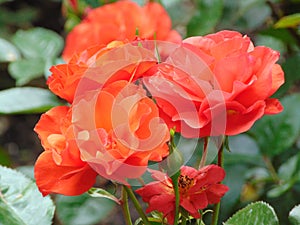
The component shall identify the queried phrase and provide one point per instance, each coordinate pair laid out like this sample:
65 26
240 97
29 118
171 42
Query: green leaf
276 133
271 42
280 189
288 21
8 52
289 168
294 215
38 43
101 193
83 209
290 66
259 213
25 70
20 201
26 100
206 18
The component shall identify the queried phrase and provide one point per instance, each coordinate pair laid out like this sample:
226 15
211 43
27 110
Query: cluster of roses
125 93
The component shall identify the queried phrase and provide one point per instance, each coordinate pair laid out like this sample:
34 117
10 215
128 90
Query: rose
197 189
120 21
59 169
123 131
244 78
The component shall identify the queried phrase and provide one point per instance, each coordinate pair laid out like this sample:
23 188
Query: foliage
262 165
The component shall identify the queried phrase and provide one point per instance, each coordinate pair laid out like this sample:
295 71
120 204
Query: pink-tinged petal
264 59
227 74
223 35
189 171
273 106
230 47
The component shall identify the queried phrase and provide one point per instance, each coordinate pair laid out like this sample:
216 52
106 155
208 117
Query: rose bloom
120 21
59 169
197 189
119 131
65 78
233 87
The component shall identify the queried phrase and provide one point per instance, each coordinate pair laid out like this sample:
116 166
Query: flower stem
136 205
177 197
183 220
271 169
216 209
125 207
204 154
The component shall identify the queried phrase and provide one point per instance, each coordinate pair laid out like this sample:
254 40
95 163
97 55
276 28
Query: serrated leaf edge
251 204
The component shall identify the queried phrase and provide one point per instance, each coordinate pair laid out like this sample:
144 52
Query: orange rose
59 169
124 134
230 89
65 78
120 21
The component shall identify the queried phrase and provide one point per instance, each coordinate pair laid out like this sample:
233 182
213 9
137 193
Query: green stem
177 197
137 205
204 154
125 207
183 220
271 169
216 209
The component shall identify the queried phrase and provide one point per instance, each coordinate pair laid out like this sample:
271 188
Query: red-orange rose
233 88
120 21
197 189
59 169
65 78
119 131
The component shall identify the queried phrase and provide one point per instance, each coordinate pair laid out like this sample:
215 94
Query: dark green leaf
83 209
22 203
25 70
206 18
26 100
38 43
277 133
288 21
291 68
101 193
259 213
294 215
8 52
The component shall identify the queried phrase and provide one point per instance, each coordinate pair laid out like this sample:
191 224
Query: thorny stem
125 207
215 216
204 154
136 205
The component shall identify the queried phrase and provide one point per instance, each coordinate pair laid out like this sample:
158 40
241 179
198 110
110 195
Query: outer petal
66 180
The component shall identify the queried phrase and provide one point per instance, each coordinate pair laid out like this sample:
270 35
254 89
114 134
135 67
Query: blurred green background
263 164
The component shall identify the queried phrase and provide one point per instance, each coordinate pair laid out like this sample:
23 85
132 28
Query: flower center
184 183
